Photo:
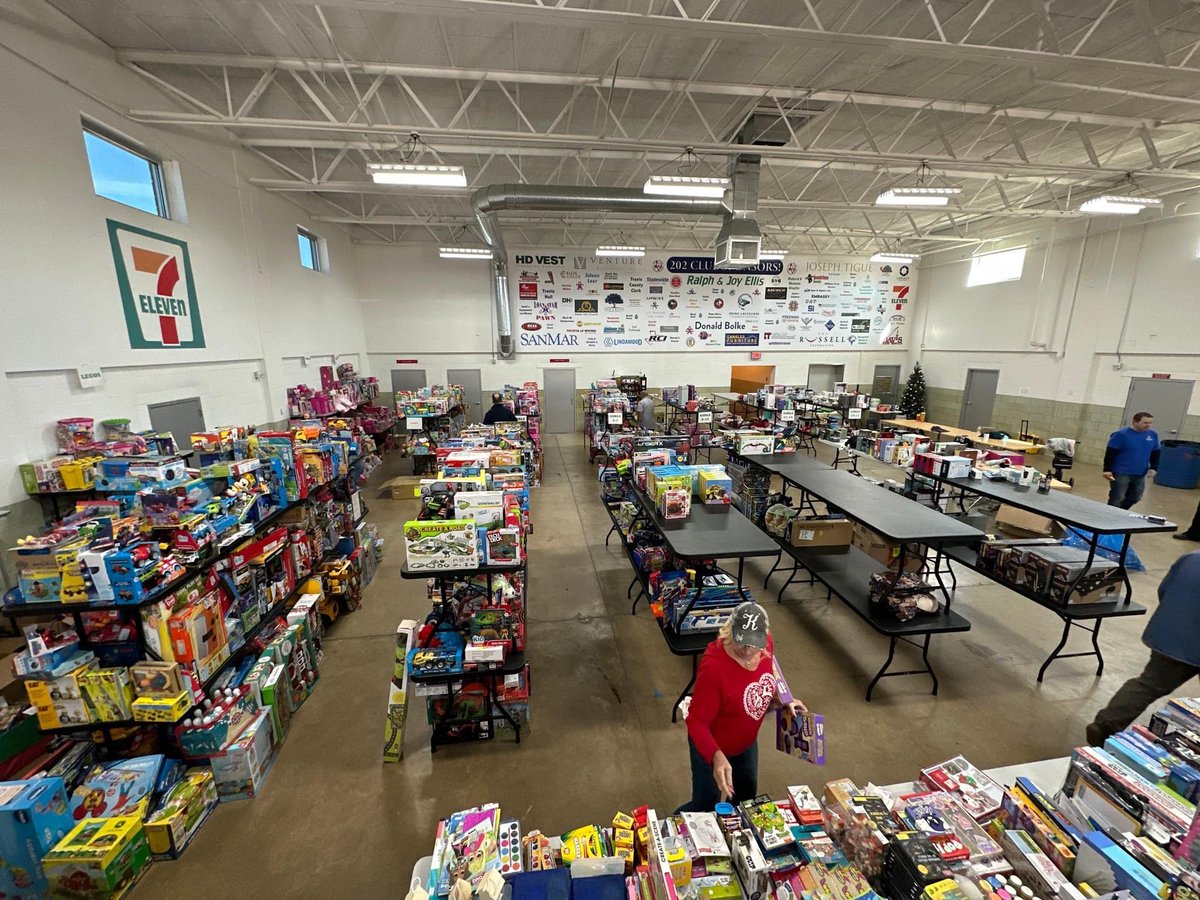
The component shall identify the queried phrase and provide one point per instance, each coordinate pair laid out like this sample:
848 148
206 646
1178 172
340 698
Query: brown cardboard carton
884 551
822 535
1020 522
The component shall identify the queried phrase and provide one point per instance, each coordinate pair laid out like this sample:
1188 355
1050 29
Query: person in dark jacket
499 412
1193 532
1173 636
1131 453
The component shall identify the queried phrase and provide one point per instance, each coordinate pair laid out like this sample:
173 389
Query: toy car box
714 488
440 545
242 768
33 818
186 806
100 859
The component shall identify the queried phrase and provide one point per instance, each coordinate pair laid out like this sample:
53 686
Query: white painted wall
414 302
261 310
1072 298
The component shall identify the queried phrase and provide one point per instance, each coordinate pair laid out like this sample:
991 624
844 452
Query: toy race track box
33 818
186 806
802 735
122 788
242 768
397 709
439 545
100 859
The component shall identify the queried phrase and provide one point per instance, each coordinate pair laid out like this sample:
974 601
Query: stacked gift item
695 600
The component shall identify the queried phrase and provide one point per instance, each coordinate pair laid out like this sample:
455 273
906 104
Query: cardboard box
108 694
884 551
161 709
171 827
822 535
100 859
437 545
242 768
1011 520
714 487
397 708
33 818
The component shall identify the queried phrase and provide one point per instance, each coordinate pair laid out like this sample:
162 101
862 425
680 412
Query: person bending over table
735 687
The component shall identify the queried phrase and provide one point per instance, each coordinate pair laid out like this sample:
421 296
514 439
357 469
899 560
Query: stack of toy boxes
660 478
714 486
45 475
46 647
34 816
242 767
100 858
58 695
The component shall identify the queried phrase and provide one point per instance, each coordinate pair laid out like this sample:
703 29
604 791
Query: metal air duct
740 240
491 200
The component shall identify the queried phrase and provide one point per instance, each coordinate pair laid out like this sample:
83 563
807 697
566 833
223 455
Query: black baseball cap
750 625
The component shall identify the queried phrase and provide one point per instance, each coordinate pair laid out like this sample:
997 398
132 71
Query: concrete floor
335 821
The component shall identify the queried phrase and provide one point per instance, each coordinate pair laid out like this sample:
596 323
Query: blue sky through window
308 251
121 175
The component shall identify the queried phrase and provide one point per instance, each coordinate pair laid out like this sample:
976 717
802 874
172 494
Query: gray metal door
182 418
558 401
885 382
1164 398
470 382
979 398
408 380
823 377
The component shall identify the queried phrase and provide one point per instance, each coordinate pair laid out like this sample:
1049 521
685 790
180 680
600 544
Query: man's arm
1110 457
1154 455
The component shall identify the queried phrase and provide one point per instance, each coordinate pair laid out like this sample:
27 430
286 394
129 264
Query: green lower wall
1089 424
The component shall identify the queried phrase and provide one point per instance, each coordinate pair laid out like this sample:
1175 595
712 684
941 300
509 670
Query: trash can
1179 465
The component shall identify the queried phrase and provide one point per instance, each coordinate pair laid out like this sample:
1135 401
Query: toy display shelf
483 569
514 663
342 414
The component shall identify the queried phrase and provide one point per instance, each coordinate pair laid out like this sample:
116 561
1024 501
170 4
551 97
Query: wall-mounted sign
405 362
566 300
158 293
90 377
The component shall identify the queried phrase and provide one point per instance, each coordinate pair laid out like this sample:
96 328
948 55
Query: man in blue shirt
1173 636
1131 453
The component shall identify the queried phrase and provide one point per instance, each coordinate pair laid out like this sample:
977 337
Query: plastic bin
1179 465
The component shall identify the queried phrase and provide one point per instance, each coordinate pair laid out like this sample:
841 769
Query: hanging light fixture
464 253
411 173
895 256
1129 203
686 184
627 251
926 192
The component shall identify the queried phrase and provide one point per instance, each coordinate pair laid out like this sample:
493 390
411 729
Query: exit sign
404 362
560 359
1162 376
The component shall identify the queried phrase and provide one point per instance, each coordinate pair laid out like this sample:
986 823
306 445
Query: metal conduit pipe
490 201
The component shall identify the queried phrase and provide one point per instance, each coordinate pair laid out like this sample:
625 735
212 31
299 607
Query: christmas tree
912 401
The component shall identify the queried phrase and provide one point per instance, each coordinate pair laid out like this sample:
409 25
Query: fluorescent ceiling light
771 254
686 186
464 253
620 250
917 196
406 173
1111 204
885 257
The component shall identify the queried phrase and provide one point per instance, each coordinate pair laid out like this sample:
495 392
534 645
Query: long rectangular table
948 432
847 575
709 533
1092 518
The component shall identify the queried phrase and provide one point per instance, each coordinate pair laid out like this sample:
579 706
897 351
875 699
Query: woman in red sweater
735 687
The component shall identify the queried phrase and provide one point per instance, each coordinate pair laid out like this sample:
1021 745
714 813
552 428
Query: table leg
778 560
784 587
741 567
501 707
686 691
1124 571
629 590
1054 655
610 532
886 665
925 659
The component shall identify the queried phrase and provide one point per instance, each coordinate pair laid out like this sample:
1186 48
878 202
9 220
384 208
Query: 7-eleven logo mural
158 294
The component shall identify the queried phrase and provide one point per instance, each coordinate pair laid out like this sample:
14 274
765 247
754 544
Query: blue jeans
1126 490
705 795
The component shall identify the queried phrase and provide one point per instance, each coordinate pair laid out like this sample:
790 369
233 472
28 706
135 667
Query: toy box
157 679
485 507
198 636
44 476
59 700
121 788
675 503
108 694
33 818
755 444
242 768
221 724
714 487
156 616
503 546
397 710
171 827
440 545
161 709
276 693
100 859
802 735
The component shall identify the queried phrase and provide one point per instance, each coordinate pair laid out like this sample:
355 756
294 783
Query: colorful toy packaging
100 859
121 788
33 818
186 806
439 545
242 768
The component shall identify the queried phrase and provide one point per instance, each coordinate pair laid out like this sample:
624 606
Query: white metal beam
631 82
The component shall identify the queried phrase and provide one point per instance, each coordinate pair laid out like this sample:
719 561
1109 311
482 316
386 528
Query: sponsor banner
158 293
684 303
